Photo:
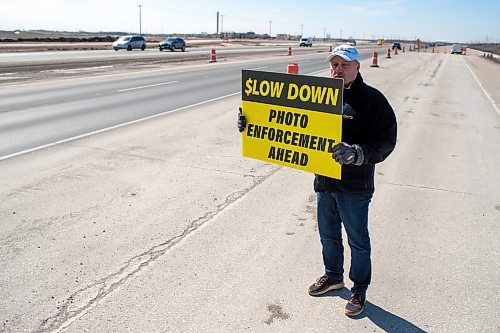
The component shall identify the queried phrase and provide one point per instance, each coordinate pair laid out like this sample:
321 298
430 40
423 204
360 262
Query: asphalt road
22 62
37 115
49 56
162 226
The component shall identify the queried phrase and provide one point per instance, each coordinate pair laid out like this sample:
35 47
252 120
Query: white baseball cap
346 52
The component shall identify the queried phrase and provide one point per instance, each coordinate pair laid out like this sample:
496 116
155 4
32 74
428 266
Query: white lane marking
76 70
320 71
258 68
5 78
81 136
484 90
148 86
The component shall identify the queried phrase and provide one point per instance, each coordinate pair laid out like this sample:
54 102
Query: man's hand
345 153
242 121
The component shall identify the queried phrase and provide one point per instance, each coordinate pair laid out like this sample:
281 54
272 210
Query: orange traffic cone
292 68
374 59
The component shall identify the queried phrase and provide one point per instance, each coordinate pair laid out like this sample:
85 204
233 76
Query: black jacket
369 121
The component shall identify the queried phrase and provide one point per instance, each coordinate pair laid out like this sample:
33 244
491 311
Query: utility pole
140 23
324 33
217 23
301 30
270 28
222 24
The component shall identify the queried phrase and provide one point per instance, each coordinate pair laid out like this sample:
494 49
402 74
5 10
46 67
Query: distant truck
306 41
456 49
396 46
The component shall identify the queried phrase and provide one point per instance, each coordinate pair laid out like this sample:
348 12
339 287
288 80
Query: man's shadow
387 321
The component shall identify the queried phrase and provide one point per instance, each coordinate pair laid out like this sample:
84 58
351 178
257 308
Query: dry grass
492 48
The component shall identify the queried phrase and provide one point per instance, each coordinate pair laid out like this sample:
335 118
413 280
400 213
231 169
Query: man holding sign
368 136
368 126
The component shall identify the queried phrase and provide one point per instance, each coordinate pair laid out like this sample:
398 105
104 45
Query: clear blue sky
450 20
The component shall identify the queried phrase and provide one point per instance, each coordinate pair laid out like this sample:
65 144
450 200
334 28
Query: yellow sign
292 120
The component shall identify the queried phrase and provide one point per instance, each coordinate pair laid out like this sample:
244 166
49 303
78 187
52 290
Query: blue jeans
351 210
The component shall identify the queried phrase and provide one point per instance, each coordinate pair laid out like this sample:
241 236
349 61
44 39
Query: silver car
129 43
172 43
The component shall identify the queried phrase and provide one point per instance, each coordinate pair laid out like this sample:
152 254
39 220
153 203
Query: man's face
339 67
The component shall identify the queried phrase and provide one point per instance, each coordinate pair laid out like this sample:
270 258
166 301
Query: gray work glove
345 153
242 121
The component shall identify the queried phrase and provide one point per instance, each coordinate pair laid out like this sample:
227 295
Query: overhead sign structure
292 120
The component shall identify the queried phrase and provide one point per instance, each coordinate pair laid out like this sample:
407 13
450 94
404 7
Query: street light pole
140 23
217 23
222 24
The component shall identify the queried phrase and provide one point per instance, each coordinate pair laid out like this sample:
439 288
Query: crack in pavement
155 159
84 299
433 188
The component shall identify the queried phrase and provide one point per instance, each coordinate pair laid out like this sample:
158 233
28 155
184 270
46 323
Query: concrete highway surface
20 62
162 225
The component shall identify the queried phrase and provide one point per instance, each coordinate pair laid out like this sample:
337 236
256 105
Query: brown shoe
324 284
355 305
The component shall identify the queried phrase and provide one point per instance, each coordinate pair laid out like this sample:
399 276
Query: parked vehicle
456 49
396 46
129 43
306 41
172 43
